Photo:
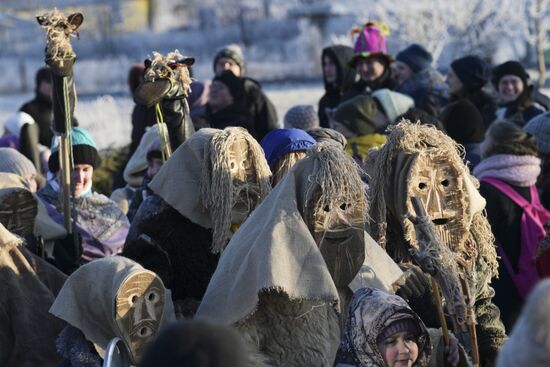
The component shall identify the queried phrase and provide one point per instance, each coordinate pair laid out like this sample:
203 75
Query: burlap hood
87 300
274 249
193 180
390 168
44 225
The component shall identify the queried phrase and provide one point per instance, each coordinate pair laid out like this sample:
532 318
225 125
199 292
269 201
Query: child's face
153 166
399 350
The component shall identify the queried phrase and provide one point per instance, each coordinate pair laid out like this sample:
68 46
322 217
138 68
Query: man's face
454 83
139 307
45 89
510 87
153 166
401 72
329 70
370 69
244 181
219 96
225 63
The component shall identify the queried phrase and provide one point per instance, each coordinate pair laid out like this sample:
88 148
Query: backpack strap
510 192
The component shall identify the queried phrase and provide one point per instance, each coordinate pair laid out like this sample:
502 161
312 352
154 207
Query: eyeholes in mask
145 332
133 299
152 297
422 185
445 183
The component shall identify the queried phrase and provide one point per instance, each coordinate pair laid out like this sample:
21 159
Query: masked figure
107 298
206 190
291 263
28 286
420 161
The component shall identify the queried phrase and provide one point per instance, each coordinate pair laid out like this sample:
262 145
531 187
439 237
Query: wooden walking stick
59 56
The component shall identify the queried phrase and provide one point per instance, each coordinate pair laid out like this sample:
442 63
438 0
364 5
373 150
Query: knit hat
539 127
416 57
233 52
197 343
281 141
357 114
472 71
371 42
394 104
16 122
463 122
232 82
11 161
301 117
83 146
407 324
510 68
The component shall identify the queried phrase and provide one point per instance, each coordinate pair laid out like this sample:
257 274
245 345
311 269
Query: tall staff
60 57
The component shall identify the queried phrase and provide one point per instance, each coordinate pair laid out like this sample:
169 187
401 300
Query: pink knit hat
371 42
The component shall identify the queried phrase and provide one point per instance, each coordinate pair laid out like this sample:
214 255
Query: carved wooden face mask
18 209
438 183
245 186
338 230
139 307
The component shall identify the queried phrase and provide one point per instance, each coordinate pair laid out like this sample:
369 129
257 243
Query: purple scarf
517 170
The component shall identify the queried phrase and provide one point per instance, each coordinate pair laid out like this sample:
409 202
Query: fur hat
393 104
371 42
84 150
463 122
233 52
357 114
232 82
416 57
510 68
472 71
11 161
15 123
539 127
301 117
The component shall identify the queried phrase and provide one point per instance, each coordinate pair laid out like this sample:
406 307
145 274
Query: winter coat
484 103
123 197
259 108
99 221
346 75
513 111
428 89
28 287
139 195
182 245
150 206
40 108
76 350
505 219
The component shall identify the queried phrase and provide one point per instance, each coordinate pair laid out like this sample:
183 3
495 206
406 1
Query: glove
416 282
67 253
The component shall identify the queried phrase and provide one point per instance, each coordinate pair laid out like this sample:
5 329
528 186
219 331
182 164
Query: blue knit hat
281 141
416 57
472 71
84 150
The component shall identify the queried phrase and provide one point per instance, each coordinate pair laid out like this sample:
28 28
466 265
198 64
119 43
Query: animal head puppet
215 179
419 160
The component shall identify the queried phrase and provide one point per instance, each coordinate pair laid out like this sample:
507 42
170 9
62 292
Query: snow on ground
107 117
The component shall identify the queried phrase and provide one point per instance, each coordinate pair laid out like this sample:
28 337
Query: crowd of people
401 222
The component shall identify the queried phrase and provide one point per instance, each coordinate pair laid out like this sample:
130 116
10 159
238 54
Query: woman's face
510 87
399 350
401 71
370 69
329 70
455 85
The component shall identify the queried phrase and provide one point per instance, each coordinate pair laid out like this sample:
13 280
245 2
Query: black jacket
346 76
261 112
428 90
40 108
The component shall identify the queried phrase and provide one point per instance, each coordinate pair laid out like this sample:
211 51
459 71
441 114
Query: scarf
516 170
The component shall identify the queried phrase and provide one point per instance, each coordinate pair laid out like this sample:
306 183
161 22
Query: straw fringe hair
216 185
159 69
335 180
58 34
416 138
285 164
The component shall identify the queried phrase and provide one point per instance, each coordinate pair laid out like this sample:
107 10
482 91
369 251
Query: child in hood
382 330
